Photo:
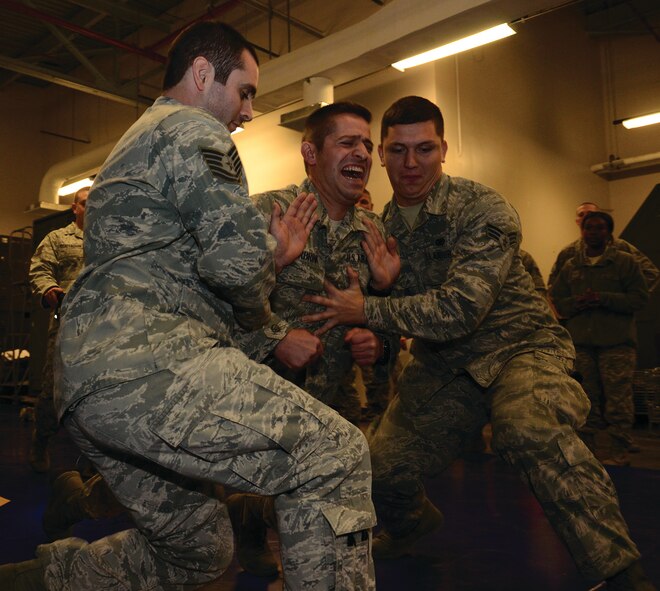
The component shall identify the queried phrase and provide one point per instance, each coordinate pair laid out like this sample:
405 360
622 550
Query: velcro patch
226 167
506 240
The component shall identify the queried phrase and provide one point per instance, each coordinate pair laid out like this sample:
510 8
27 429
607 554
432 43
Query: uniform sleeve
562 258
43 268
635 292
533 269
258 344
561 295
487 241
649 270
235 249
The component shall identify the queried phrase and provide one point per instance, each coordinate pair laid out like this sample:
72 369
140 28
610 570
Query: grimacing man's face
412 155
340 170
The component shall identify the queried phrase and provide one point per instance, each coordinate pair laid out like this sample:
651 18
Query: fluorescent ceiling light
641 121
73 187
487 36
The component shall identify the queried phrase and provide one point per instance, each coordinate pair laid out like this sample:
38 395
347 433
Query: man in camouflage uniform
532 268
336 148
152 387
482 339
54 267
649 270
598 292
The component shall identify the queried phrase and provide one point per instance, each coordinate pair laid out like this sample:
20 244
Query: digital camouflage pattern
533 269
327 256
621 288
649 270
485 340
607 378
462 290
153 391
604 336
56 262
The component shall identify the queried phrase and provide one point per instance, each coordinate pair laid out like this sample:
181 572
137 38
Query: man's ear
308 151
203 72
443 147
381 155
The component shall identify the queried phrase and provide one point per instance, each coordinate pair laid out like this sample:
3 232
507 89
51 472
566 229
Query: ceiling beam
283 16
73 83
75 52
31 12
117 10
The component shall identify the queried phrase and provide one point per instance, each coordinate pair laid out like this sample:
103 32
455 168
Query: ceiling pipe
31 12
81 165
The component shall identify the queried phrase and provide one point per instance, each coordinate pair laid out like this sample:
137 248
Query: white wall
527 115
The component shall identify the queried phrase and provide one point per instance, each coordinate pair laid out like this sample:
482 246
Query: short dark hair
219 43
599 214
412 109
321 122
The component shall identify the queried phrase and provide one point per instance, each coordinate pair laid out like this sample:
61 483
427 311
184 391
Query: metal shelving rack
15 304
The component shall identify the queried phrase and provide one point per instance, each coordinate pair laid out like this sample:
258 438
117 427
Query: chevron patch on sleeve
226 167
504 239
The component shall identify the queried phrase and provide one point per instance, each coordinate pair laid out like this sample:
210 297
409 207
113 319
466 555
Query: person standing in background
649 270
56 263
597 292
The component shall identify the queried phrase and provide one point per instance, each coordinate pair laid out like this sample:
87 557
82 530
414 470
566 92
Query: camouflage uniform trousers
46 424
607 377
226 420
535 409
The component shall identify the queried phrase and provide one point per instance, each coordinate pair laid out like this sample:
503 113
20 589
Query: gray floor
495 537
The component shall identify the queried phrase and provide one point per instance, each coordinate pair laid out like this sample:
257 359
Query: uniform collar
434 205
73 229
608 254
353 220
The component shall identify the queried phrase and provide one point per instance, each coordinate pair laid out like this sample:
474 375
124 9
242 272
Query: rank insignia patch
226 167
504 239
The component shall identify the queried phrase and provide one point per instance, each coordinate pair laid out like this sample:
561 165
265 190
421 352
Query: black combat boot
64 508
387 547
632 578
250 515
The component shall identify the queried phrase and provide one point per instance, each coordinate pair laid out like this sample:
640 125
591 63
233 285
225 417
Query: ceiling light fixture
70 188
641 121
470 42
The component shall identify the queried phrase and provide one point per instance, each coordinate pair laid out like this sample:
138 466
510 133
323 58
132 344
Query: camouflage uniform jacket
57 260
175 254
618 280
533 269
327 255
463 293
649 270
